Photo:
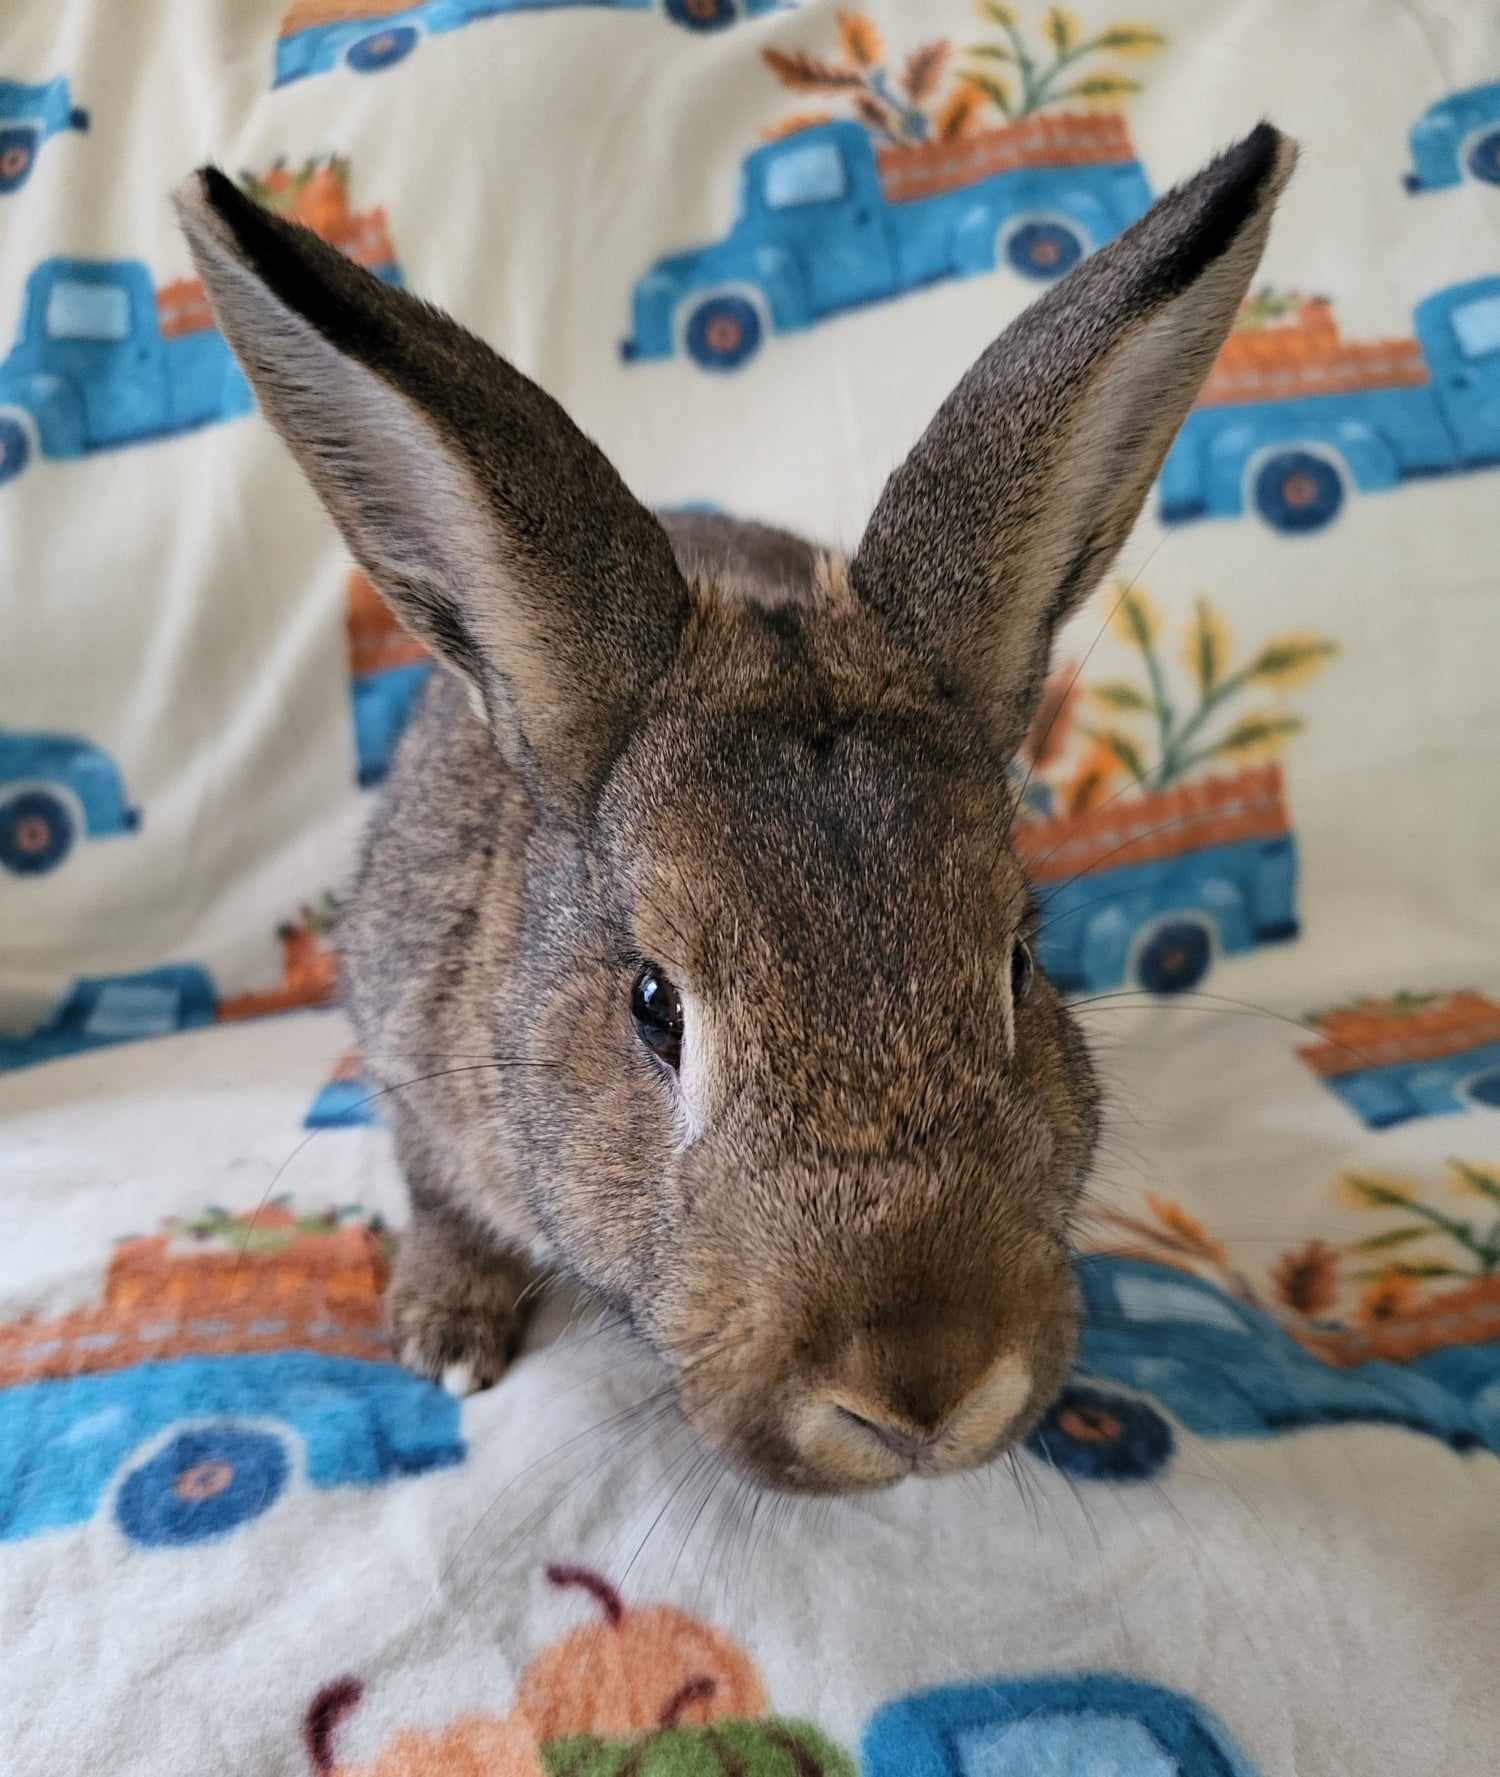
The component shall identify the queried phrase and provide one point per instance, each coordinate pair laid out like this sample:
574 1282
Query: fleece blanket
750 244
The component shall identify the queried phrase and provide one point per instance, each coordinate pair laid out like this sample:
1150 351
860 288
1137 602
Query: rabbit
693 867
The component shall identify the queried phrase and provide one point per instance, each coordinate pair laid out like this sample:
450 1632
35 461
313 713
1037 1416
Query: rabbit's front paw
455 1317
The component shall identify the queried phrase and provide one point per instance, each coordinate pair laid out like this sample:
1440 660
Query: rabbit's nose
900 1438
867 1428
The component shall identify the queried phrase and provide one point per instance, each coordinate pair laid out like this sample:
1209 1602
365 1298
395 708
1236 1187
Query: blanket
750 244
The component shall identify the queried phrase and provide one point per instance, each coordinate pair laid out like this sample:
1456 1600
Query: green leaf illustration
993 90
1405 1270
1100 86
1123 748
1119 694
1257 731
1392 1237
1058 28
1130 38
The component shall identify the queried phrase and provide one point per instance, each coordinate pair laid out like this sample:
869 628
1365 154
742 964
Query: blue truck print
30 116
1382 1097
208 1443
54 789
382 703
1295 456
103 359
1085 1724
100 1010
1458 134
383 35
387 671
1157 1342
206 1382
91 368
1152 890
345 1100
1387 1069
824 223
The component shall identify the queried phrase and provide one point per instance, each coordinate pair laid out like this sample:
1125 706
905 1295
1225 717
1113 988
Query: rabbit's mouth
921 1391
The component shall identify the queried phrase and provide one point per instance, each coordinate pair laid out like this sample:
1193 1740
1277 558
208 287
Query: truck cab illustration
1151 888
1390 1063
101 360
1293 419
54 789
1162 1346
825 221
368 36
1067 1725
100 1010
205 1383
1459 135
30 116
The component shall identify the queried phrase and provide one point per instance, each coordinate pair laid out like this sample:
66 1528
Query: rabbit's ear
1020 492
500 535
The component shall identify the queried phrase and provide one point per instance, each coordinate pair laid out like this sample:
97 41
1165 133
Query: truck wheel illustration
1040 249
701 15
37 829
1175 957
1484 158
1103 1437
204 1483
1297 491
1485 1089
15 447
723 331
382 50
17 154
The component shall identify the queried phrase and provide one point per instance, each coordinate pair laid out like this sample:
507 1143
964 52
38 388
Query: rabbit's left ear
1021 491
498 533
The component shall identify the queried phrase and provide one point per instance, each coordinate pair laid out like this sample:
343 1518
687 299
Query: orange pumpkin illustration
634 1671
472 1746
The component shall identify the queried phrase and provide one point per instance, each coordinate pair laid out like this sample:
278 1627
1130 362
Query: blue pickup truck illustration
1159 1342
30 116
1076 1724
99 362
1391 1061
1152 888
205 1384
825 221
387 671
54 788
1292 438
103 358
100 1010
370 35
1458 134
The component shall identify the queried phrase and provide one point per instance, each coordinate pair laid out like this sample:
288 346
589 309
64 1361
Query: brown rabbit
702 842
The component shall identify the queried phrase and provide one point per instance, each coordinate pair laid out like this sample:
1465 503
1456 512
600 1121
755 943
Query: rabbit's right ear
500 535
1020 492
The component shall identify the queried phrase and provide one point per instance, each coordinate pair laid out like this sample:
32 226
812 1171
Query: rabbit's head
811 1116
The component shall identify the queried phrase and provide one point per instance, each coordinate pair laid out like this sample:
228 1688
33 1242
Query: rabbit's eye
656 1007
1022 970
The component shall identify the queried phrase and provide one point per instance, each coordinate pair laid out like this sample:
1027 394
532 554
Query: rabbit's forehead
886 849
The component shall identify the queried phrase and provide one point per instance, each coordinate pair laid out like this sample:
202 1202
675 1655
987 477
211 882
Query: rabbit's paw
456 1317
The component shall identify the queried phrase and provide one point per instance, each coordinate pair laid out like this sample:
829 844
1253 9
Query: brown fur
776 775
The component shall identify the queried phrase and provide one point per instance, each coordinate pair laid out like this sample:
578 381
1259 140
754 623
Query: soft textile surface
1258 1534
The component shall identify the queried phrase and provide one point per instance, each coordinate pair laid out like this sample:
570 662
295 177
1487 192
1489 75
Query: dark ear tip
208 201
1263 158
